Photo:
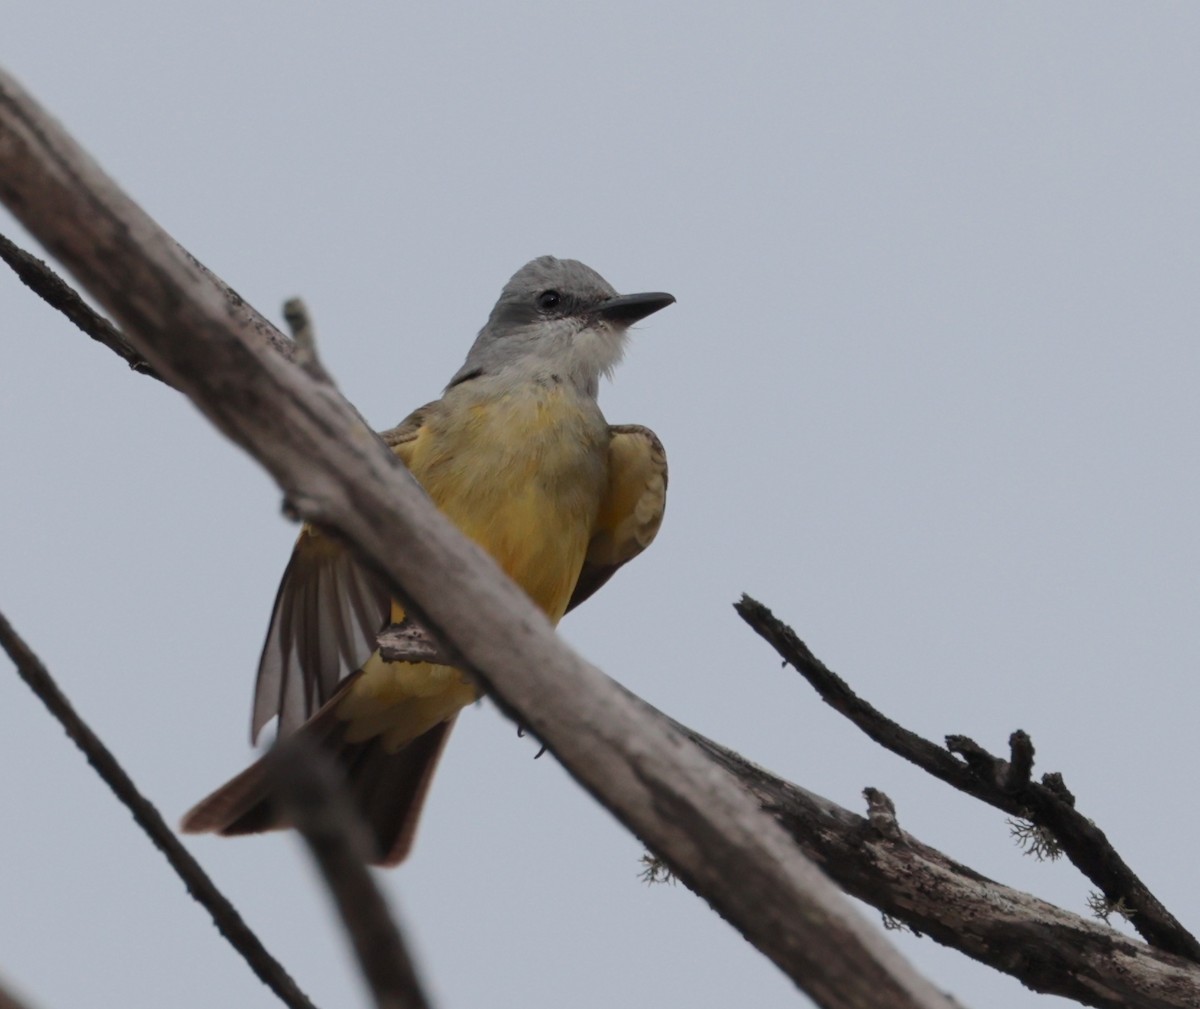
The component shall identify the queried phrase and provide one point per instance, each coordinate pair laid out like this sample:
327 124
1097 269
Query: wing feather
314 640
328 611
632 510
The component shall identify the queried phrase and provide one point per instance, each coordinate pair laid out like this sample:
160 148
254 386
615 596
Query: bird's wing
327 613
632 509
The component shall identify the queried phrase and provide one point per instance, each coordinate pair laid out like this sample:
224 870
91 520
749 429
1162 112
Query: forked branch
1005 784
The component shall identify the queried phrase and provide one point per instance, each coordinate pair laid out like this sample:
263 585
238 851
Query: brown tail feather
388 789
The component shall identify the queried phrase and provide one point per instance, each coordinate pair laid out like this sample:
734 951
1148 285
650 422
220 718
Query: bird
518 455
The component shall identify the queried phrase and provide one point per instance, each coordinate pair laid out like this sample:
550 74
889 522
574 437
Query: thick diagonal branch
1048 949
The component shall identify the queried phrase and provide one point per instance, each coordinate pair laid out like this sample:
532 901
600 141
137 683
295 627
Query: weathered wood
1005 784
1048 949
309 788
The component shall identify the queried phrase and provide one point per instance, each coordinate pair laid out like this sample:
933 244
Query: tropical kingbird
517 454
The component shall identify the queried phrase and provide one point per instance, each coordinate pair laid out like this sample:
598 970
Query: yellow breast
522 473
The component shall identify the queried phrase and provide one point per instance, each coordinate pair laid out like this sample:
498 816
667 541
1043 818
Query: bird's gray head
557 318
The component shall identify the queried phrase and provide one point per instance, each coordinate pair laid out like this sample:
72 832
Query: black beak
629 308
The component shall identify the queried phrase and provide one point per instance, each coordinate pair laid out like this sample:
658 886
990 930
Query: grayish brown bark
315 802
1048 949
1005 784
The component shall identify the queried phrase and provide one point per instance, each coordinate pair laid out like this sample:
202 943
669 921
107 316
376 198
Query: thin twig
316 804
304 337
57 293
1047 949
997 782
224 915
1020 762
881 813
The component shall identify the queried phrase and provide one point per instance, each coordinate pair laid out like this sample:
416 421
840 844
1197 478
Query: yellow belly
522 474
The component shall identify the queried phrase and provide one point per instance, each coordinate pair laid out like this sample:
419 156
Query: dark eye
549 299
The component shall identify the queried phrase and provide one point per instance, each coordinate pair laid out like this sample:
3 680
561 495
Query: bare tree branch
1048 949
229 923
335 472
316 803
1003 784
57 293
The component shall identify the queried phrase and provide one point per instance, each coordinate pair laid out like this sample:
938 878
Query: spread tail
387 788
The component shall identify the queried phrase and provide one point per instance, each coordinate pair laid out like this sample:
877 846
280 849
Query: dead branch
225 916
316 803
57 293
335 472
1046 948
1003 784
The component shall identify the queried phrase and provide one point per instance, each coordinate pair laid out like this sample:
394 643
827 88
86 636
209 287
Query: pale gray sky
930 392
